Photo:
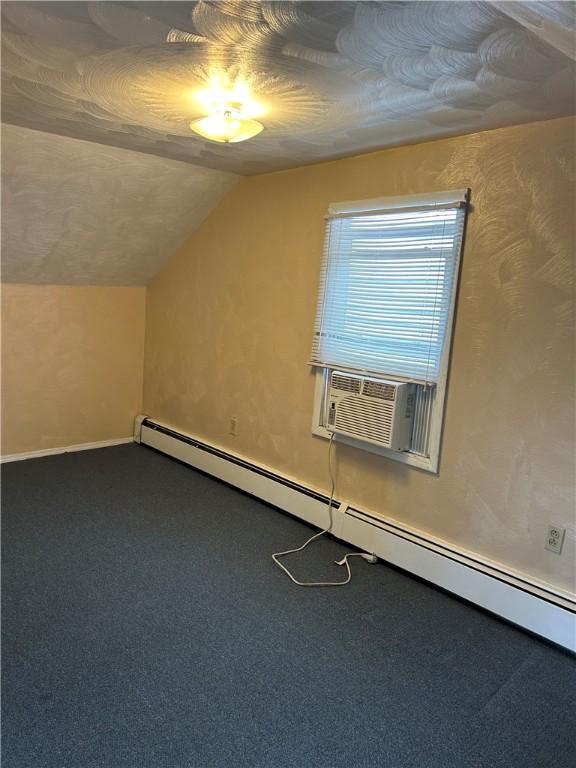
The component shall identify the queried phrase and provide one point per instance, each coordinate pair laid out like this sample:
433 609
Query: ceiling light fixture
231 110
226 125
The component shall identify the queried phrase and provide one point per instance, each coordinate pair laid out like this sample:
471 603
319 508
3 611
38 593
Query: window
386 302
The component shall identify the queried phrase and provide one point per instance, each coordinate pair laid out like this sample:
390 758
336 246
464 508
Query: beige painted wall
229 328
72 362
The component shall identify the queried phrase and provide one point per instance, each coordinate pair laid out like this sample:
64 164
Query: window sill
414 460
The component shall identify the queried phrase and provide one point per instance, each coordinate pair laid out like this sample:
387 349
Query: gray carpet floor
145 626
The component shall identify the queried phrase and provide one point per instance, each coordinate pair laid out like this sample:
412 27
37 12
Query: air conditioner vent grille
379 389
345 383
371 421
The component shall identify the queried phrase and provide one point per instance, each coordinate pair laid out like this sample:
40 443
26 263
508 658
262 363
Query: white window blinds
387 285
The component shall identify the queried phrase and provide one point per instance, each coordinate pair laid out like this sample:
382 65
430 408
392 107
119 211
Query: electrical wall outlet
555 538
234 425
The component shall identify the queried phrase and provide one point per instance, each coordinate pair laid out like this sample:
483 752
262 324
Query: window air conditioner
374 410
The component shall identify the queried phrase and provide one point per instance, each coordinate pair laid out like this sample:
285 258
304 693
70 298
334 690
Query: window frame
321 374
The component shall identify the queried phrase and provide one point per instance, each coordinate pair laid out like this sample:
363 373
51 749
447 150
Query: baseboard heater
527 603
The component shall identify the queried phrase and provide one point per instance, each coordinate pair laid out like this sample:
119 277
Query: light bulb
226 127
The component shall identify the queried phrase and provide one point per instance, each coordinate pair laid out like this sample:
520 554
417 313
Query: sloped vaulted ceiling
335 78
80 212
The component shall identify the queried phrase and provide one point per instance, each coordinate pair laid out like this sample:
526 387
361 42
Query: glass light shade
226 127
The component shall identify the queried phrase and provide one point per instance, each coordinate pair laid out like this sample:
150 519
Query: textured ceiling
335 77
82 213
92 194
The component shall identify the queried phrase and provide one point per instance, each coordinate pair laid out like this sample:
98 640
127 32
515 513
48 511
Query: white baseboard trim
531 604
66 449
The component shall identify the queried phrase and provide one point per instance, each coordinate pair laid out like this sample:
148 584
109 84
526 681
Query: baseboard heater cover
529 604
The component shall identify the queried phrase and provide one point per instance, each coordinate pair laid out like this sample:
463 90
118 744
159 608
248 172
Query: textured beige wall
72 362
229 328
